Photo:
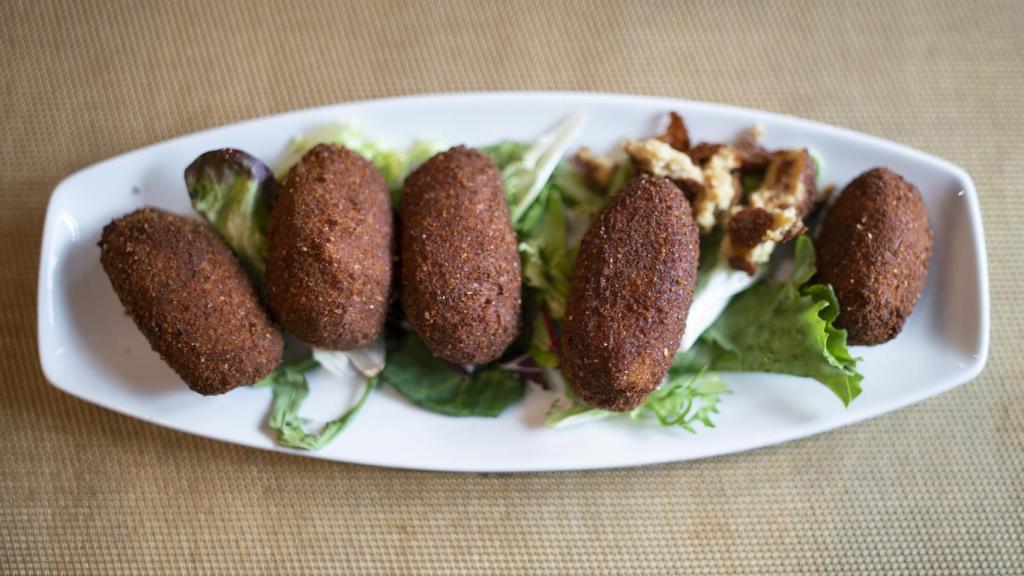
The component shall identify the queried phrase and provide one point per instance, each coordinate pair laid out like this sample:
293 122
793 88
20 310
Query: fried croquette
329 250
191 298
630 294
460 267
873 249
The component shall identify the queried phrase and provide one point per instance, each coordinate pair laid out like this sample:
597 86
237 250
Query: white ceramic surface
89 348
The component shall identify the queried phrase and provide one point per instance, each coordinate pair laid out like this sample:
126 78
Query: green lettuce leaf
508 156
751 182
535 182
575 192
547 264
547 260
683 401
526 169
234 191
290 389
542 347
438 386
785 328
394 163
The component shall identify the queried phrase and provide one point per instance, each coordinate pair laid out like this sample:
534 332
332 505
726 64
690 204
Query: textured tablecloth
935 488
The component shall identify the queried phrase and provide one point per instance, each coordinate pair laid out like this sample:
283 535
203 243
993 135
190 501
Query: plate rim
972 370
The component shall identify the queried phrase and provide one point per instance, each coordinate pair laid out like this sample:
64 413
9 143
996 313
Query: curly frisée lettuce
290 389
785 328
684 400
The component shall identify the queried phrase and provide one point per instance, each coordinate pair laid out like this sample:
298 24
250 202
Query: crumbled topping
720 190
787 195
753 134
754 232
702 152
709 183
788 182
753 156
597 170
709 175
660 159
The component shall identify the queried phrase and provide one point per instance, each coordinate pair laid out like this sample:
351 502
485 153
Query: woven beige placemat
936 488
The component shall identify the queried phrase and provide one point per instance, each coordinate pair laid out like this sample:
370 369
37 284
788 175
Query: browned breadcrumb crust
329 254
676 135
191 299
630 294
747 228
873 249
702 152
460 267
753 156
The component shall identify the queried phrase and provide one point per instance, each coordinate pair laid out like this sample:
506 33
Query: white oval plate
89 348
